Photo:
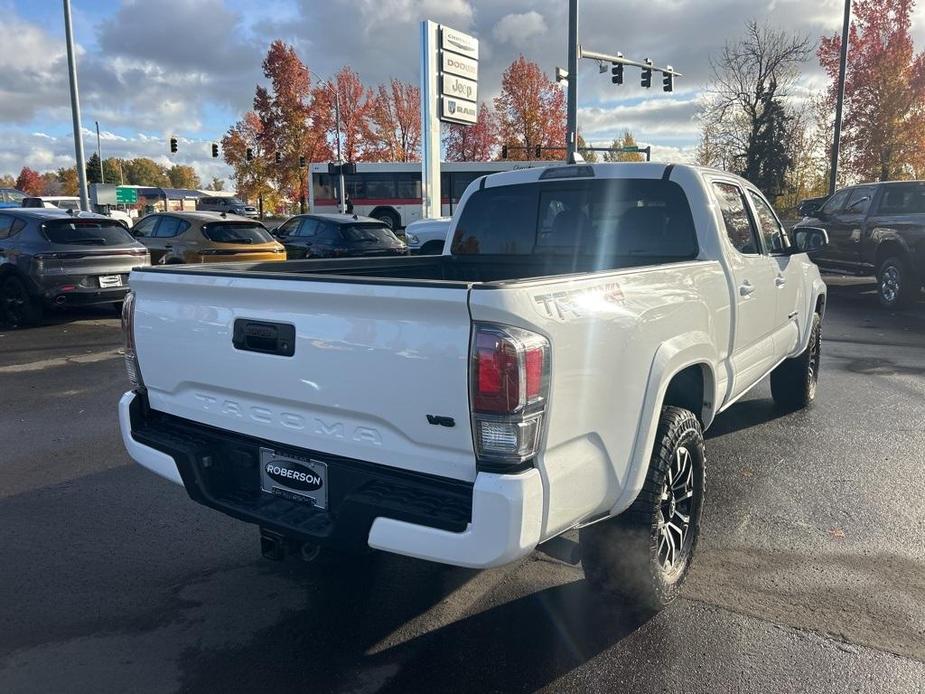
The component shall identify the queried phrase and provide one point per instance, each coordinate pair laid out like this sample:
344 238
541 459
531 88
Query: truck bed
453 270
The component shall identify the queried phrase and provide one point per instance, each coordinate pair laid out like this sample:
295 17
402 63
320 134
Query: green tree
628 140
112 170
142 171
93 169
183 176
747 117
588 155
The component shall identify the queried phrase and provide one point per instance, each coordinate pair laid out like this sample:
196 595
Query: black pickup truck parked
876 228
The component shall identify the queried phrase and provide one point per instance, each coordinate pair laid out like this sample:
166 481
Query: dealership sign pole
449 92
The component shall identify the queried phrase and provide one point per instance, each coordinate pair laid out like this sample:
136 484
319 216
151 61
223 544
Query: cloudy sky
188 67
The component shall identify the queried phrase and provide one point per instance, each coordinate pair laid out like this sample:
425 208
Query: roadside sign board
454 64
458 42
459 73
460 88
126 196
458 110
449 92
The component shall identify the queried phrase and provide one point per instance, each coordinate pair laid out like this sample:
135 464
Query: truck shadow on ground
365 633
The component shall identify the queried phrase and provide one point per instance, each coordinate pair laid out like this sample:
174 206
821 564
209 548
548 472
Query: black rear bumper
220 469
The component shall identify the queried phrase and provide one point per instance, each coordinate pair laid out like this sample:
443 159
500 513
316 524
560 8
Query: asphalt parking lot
810 574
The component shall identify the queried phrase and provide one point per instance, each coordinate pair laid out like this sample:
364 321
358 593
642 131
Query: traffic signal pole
571 127
575 52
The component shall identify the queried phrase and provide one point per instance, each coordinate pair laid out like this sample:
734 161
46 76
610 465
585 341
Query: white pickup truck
554 369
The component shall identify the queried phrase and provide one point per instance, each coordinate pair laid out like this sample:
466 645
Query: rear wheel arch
889 248
692 388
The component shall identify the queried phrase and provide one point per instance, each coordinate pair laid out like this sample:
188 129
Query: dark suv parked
876 228
337 236
51 257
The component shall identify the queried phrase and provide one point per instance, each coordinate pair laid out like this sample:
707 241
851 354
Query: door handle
746 288
168 245
779 281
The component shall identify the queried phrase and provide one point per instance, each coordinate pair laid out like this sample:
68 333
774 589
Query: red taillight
497 373
510 383
534 360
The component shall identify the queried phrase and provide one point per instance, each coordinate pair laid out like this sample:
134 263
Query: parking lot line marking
61 361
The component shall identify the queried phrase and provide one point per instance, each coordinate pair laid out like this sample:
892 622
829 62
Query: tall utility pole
571 128
75 109
99 152
840 97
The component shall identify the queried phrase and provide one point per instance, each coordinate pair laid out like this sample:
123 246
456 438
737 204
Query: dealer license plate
294 478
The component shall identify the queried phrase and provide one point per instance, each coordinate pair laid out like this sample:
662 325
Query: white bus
391 191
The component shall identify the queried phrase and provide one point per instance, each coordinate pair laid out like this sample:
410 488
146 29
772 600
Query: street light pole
75 109
99 151
840 96
571 127
340 161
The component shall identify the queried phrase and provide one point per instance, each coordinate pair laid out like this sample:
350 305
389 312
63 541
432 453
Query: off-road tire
793 382
621 556
897 284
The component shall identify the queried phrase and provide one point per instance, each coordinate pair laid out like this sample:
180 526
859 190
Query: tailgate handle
264 337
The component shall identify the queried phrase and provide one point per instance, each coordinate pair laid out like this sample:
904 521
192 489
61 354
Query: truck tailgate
370 363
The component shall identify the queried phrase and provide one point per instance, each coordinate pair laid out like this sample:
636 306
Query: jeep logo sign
460 88
293 475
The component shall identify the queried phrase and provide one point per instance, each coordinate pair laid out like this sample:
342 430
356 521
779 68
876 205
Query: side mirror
810 240
809 209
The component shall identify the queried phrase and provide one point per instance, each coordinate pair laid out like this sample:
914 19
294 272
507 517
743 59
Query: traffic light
647 75
301 162
504 151
668 80
616 73
173 145
214 151
538 151
279 158
249 154
350 168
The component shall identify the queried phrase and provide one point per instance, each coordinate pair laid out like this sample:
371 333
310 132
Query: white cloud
45 152
519 29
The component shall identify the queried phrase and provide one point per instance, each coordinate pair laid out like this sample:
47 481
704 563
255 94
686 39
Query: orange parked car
205 237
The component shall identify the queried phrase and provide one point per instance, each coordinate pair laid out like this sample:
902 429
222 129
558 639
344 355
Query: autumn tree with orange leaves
30 182
530 111
883 129
477 142
395 120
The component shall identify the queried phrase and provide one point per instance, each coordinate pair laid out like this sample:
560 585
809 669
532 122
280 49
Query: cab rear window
87 232
236 232
599 217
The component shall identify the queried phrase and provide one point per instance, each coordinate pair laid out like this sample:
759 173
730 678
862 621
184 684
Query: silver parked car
53 257
227 205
